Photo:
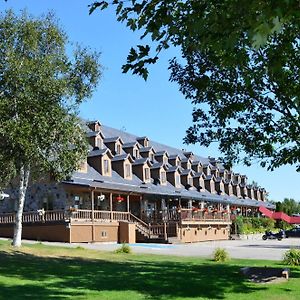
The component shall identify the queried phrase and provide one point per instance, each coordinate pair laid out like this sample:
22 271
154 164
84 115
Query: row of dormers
139 158
159 173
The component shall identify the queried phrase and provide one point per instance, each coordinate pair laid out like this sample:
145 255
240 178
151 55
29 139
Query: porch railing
192 215
36 216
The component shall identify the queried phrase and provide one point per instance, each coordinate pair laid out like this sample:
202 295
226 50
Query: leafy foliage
220 255
124 249
246 225
40 91
288 206
240 71
292 257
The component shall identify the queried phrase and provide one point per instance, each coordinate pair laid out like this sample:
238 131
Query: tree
239 66
41 89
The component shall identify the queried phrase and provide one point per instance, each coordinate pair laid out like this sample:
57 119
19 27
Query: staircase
147 232
279 216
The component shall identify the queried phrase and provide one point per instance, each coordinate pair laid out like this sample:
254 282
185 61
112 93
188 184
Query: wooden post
165 231
141 208
110 206
128 208
93 225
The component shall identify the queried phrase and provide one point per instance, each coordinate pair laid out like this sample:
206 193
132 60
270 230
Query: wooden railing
191 215
7 218
35 216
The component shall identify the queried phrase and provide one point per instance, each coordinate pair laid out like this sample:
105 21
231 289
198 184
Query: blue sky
154 108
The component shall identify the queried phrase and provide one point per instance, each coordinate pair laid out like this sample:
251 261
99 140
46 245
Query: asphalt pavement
250 249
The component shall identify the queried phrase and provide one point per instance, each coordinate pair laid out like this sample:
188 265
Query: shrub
292 257
124 249
221 255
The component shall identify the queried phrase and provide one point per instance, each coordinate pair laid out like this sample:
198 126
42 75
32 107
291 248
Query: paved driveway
255 249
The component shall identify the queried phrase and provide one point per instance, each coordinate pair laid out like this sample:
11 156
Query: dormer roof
142 161
159 165
174 169
123 157
209 177
99 152
196 162
187 172
188 154
95 133
161 153
131 145
199 174
94 122
113 140
174 156
147 149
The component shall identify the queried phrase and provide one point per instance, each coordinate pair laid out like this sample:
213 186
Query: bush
292 257
124 249
221 255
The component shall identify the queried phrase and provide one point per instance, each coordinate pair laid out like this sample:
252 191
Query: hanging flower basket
120 199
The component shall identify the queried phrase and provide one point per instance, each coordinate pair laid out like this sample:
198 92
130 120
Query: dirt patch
266 274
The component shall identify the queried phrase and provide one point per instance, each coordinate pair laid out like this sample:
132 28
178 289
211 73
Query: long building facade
132 189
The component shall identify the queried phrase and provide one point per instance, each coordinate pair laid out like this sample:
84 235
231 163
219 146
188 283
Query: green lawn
41 272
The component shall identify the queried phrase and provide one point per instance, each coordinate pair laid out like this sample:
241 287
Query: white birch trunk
24 176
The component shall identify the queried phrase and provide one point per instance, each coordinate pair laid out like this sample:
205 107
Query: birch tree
41 88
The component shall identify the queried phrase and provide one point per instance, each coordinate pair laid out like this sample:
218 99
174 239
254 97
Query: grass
44 272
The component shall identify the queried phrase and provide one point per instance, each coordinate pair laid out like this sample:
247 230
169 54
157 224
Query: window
165 159
178 163
147 173
163 176
106 166
118 149
177 180
190 181
151 156
127 171
188 165
98 142
136 153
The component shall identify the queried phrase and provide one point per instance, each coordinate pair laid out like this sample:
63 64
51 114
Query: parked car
295 232
272 236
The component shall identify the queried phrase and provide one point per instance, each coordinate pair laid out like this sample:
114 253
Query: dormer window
163 176
118 149
127 171
136 153
178 163
165 160
152 157
147 173
99 143
177 179
106 169
190 181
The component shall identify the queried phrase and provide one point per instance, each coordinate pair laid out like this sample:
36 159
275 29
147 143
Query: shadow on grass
60 278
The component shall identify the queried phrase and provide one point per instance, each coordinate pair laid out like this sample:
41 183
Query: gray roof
121 157
146 149
160 153
94 133
98 152
130 145
141 161
113 139
117 183
93 179
187 171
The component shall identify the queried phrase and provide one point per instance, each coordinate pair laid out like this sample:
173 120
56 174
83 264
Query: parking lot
253 249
